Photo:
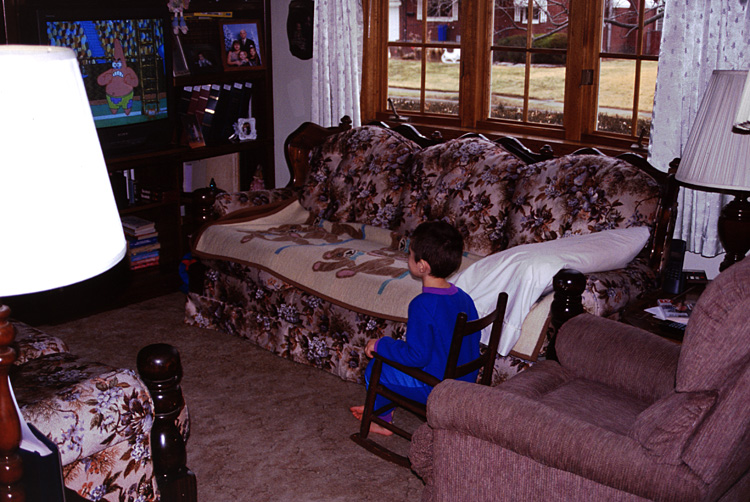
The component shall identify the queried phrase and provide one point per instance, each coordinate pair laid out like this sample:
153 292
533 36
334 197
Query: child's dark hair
439 244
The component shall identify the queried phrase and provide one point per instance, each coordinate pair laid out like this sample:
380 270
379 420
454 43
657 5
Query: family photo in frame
245 129
241 49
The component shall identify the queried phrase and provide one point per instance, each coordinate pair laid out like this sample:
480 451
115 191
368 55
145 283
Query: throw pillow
525 272
664 428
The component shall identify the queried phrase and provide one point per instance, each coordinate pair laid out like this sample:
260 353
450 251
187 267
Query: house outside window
521 11
579 70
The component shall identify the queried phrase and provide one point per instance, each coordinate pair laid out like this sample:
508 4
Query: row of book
209 112
143 242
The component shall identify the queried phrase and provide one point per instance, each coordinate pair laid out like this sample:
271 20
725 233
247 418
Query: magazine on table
672 311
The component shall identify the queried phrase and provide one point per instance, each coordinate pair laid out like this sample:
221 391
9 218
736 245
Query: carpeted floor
263 428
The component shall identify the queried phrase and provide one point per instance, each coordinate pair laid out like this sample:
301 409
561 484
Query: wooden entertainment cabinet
163 166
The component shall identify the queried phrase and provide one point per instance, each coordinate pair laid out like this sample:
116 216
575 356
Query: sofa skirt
253 304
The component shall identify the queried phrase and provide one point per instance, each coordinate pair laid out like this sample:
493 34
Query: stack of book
143 242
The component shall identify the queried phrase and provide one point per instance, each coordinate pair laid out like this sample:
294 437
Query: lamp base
734 229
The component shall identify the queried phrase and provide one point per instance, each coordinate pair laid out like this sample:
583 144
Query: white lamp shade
715 157
742 120
60 223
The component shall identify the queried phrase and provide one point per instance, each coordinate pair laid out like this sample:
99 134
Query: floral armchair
100 417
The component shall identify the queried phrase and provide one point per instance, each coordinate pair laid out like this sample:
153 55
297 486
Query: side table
635 314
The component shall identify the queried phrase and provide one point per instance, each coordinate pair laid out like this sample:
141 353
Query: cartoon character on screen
118 82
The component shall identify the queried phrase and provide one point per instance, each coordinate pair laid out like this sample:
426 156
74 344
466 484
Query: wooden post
567 303
160 369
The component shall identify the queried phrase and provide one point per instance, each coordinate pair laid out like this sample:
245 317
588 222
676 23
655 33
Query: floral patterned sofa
100 417
355 196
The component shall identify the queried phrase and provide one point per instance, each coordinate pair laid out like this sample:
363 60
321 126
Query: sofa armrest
609 292
618 355
229 203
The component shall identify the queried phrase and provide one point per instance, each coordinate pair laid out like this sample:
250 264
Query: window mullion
590 15
474 89
639 53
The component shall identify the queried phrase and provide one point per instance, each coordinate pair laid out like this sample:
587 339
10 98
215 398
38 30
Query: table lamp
717 157
60 222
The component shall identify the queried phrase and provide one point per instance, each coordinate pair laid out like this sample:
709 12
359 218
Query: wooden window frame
580 106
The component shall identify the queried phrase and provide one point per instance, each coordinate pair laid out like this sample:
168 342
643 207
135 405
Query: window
528 56
628 58
423 70
584 74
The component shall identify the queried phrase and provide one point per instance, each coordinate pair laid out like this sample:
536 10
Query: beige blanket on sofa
358 266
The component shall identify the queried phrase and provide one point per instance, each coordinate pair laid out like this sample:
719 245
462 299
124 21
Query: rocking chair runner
486 361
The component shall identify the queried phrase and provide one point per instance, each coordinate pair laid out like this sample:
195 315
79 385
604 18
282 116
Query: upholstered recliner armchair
623 415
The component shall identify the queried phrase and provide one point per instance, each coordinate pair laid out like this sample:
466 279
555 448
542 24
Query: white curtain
337 61
698 36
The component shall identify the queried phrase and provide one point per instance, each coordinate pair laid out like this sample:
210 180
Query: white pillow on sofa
525 272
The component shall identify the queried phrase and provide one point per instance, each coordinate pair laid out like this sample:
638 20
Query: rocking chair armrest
413 372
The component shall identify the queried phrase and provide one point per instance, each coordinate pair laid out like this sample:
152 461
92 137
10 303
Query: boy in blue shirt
435 252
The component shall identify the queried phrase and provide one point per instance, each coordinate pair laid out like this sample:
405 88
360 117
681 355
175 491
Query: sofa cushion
580 194
355 265
664 427
358 176
467 182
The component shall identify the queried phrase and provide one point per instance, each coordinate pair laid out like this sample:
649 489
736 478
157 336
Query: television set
125 60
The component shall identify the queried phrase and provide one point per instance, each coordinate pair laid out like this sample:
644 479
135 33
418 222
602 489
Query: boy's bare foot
358 411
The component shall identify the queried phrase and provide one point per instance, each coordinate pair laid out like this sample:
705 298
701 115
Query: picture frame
193 132
203 59
245 129
247 34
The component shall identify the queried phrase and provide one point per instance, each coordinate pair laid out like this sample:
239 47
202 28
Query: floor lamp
60 223
717 156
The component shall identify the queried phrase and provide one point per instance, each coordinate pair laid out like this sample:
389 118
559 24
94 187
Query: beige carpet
263 428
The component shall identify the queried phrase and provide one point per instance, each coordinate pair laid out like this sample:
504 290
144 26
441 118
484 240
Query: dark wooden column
160 369
566 304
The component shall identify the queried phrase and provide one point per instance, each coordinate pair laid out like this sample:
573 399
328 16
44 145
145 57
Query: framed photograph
245 129
203 58
240 47
192 131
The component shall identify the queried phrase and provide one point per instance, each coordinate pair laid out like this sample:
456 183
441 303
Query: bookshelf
160 170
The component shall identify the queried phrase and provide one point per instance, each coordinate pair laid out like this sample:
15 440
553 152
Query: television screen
124 69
